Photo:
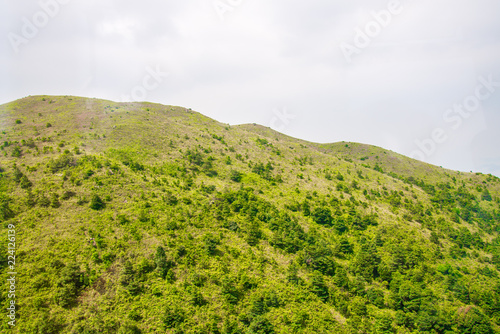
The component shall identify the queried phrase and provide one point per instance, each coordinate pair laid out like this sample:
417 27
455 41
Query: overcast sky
421 78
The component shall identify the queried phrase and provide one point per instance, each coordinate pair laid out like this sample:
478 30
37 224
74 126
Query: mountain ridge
144 218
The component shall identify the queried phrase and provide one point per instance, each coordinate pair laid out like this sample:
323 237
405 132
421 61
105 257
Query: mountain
145 218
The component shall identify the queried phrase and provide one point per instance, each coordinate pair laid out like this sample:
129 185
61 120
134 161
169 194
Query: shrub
69 285
322 216
43 201
261 325
96 203
54 202
5 210
63 161
16 152
173 317
235 176
67 195
25 183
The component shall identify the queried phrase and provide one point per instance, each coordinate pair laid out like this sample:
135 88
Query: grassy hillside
145 218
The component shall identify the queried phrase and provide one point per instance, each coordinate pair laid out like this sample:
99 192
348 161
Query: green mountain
145 218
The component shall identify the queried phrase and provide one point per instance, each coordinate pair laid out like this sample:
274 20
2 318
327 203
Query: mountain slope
144 218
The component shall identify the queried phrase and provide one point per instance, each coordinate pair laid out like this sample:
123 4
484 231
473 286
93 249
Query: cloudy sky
421 78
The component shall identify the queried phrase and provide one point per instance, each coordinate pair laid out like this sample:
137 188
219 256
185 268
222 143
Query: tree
318 286
434 238
97 203
366 262
376 297
322 216
344 246
383 324
68 285
174 316
210 243
471 320
253 234
161 262
16 152
357 307
235 176
486 196
5 211
341 280
54 201
260 325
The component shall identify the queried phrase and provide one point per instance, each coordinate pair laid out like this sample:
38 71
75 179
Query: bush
54 202
235 176
5 210
173 317
318 286
322 216
25 183
260 325
67 195
43 201
16 152
63 161
96 203
69 285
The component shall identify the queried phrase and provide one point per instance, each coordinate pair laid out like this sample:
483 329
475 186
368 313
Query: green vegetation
142 218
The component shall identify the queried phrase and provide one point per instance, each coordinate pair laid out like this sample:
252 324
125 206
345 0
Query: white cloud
273 54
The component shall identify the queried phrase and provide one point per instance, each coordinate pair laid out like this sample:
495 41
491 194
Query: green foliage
191 227
322 216
366 262
96 203
260 325
174 316
471 320
5 211
235 176
16 151
486 196
318 286
65 160
69 284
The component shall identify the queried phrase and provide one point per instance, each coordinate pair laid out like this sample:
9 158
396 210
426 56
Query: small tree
54 202
68 285
16 152
322 216
486 196
25 183
5 211
235 176
318 286
96 203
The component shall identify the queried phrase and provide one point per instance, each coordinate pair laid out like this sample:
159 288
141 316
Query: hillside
145 218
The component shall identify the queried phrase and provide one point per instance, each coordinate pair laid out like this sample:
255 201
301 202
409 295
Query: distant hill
146 218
